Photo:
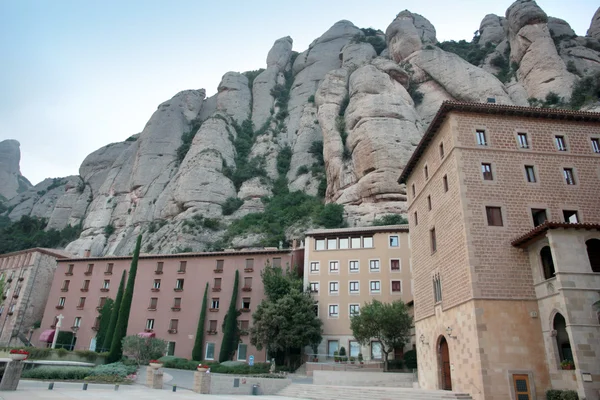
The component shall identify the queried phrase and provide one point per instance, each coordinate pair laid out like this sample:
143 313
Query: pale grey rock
492 29
267 147
279 55
424 27
250 240
96 166
11 180
433 97
309 131
594 30
517 93
522 13
209 106
560 28
234 96
254 188
585 60
408 33
355 55
392 69
262 101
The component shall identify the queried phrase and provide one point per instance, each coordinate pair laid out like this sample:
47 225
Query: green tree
116 347
2 287
387 323
105 317
142 350
231 333
114 315
278 283
199 342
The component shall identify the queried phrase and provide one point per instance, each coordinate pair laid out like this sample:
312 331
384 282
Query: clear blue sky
77 75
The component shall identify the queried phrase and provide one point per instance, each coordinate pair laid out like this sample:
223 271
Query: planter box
18 357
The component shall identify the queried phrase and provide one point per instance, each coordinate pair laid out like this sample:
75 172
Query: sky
78 75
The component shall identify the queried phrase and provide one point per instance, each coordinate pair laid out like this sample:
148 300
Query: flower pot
18 357
155 365
202 369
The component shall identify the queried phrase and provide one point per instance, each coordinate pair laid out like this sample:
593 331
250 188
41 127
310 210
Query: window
445 182
354 310
314 266
494 216
530 174
156 284
86 286
244 325
596 145
89 269
426 172
277 262
539 216
159 267
416 218
170 348
395 265
432 240
179 284
334 287
250 263
374 265
177 303
334 266
241 351
355 242
153 303
354 287
368 242
522 139
212 326
61 301
70 269
81 303
413 189
353 266
442 151
394 241
314 287
344 243
332 347
375 286
547 262
101 302
429 202
214 303
246 303
593 252
217 284
106 284
77 322
247 283
333 311
486 170
210 351
569 176
320 244
149 324
481 140
220 264
571 216
521 386
396 286
376 351
437 288
65 285
331 244
182 267
109 268
173 324
560 143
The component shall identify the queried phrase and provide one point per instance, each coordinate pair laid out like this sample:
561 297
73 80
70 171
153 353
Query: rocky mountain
11 180
338 120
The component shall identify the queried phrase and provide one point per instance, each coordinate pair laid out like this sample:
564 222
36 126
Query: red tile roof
539 230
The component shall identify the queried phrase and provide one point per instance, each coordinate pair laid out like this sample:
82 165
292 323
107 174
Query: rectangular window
396 286
61 301
159 267
569 176
106 284
521 386
416 218
81 302
395 265
530 173
177 302
437 288
353 266
332 347
320 244
179 284
247 283
77 322
277 262
217 284
376 351
368 242
210 351
334 287
246 303
429 202
539 216
153 303
182 267
494 216
333 311
523 142
70 269
173 324
250 263
314 287
331 244
442 151
156 284
445 182
354 310
426 172
374 265
561 145
314 266
432 240
90 269
413 189
150 324
571 216
241 351
375 286
394 241
486 170
171 348
214 303
354 347
344 243
354 287
481 139
334 266
86 285
65 285
355 241
596 145
109 268
220 264
212 325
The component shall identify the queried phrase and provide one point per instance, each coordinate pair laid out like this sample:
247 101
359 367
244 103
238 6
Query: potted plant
155 364
352 359
18 354
360 358
343 357
567 364
202 368
336 355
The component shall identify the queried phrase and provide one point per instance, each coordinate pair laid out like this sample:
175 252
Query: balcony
181 272
213 309
158 272
246 289
60 307
84 289
245 310
216 289
64 289
218 271
104 289
178 289
80 307
211 332
151 308
68 273
87 273
175 308
107 272
248 269
172 331
148 330
155 289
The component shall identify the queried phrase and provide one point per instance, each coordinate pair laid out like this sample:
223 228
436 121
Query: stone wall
363 378
225 384
312 367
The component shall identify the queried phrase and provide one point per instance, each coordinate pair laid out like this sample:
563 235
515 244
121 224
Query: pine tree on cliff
116 347
231 334
199 343
114 315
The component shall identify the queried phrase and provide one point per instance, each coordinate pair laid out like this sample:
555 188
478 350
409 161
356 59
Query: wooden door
445 360
521 385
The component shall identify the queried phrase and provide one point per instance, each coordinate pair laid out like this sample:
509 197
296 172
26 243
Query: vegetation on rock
28 232
390 219
468 51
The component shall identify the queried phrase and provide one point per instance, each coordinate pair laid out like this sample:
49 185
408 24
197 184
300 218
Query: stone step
322 392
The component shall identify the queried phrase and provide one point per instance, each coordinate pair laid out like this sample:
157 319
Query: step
322 392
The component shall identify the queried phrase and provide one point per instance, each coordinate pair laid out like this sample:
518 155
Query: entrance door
445 360
521 385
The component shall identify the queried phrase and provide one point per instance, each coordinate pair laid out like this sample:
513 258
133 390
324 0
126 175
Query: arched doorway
444 357
593 250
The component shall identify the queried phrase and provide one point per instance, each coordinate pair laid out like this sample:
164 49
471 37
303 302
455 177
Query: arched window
593 250
562 338
547 262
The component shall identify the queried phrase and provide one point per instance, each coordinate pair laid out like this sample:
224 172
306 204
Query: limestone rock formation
492 29
11 180
594 30
408 33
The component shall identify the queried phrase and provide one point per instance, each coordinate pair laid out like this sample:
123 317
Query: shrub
311 99
180 363
586 90
131 139
303 169
89 355
410 359
390 219
469 51
331 216
114 369
251 75
109 230
284 158
143 349
569 395
344 105
57 373
231 205
395 364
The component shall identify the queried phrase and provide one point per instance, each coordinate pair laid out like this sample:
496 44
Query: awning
147 334
47 336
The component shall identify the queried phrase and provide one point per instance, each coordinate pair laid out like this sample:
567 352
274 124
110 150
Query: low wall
363 378
239 384
67 357
368 367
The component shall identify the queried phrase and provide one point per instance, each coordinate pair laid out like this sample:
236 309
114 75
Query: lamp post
74 329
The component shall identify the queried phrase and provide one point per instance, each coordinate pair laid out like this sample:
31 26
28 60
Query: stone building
167 297
504 216
27 277
344 269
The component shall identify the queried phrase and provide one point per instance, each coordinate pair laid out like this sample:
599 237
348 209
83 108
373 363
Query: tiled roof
50 252
541 229
364 229
489 108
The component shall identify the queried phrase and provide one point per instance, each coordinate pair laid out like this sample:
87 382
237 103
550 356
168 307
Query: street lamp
74 329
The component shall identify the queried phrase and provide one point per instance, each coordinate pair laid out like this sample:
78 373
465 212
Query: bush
109 230
469 51
390 219
311 99
554 394
179 363
331 216
231 205
395 364
57 373
143 349
89 355
569 395
114 369
251 75
284 158
303 169
410 359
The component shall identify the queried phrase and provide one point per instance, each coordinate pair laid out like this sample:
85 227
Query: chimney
87 253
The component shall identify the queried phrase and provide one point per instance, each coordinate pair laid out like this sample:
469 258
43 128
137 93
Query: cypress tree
116 347
230 328
105 317
199 343
110 331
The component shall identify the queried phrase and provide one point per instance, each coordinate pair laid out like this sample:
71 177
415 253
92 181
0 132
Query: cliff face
346 113
11 180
